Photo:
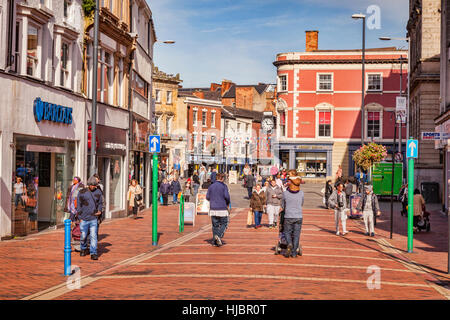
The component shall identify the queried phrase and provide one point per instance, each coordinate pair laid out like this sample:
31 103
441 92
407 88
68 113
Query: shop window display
311 164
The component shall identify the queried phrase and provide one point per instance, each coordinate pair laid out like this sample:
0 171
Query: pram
282 243
424 223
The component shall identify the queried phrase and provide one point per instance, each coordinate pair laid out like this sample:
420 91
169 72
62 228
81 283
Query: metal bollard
181 213
67 248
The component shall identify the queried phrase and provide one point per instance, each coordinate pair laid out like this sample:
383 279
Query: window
325 82
66 5
194 117
227 125
140 85
158 124
374 82
168 125
111 5
32 53
17 53
213 120
158 95
311 164
203 146
115 187
169 97
64 64
194 141
238 127
120 88
373 124
213 139
283 83
324 123
204 118
282 123
247 128
104 93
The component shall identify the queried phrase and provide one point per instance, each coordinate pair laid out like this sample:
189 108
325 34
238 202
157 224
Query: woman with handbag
257 204
134 197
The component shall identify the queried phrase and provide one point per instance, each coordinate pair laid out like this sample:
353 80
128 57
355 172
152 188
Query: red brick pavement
188 267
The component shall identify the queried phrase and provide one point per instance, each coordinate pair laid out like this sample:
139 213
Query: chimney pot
312 40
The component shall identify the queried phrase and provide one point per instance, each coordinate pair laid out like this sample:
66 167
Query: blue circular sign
38 109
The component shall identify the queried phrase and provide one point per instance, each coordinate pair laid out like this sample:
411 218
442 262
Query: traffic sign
411 148
398 157
155 144
226 142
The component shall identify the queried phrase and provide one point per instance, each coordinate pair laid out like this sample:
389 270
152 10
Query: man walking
368 204
89 207
292 204
274 195
338 202
219 201
249 184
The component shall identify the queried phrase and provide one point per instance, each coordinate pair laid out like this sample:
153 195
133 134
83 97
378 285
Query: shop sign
141 131
111 141
51 112
311 147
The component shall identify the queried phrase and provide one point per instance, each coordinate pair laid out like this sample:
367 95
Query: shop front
111 152
310 160
140 158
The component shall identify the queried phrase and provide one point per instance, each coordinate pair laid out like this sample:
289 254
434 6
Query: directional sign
411 148
155 143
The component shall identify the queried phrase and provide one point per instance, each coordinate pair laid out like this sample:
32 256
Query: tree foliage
369 154
88 7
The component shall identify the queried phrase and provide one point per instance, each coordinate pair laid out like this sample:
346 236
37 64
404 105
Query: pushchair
282 243
424 222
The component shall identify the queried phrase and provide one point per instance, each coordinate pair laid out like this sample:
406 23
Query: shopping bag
250 217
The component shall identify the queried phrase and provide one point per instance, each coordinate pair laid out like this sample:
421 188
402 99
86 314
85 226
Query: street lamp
363 17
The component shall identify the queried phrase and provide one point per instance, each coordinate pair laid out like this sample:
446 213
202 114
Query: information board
202 204
189 213
354 200
232 177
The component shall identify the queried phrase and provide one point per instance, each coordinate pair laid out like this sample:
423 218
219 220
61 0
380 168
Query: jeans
250 192
196 186
258 216
17 198
292 229
175 198
90 226
219 224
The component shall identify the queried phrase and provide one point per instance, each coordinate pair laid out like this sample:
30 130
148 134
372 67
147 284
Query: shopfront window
311 164
115 186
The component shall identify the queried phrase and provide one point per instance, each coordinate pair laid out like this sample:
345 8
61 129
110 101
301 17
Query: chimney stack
312 40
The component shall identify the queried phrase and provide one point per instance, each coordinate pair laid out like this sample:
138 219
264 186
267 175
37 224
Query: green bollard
410 203
181 213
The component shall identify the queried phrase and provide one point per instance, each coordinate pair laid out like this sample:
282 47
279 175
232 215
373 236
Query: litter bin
430 191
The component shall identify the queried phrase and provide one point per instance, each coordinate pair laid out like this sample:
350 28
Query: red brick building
319 105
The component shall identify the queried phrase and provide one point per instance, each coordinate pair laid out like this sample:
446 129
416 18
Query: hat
368 187
92 181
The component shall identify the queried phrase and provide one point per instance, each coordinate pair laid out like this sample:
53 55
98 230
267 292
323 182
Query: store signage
51 112
39 148
435 135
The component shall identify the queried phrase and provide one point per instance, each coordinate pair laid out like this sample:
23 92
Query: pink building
319 105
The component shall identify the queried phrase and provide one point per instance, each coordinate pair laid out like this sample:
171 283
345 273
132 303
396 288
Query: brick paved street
186 266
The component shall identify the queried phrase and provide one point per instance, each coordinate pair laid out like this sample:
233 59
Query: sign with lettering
51 112
202 203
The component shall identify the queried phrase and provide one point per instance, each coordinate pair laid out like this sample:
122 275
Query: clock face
267 124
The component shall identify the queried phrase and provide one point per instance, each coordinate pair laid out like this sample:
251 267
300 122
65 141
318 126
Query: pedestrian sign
411 148
155 144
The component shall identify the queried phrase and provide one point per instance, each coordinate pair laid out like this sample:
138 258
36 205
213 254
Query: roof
244 113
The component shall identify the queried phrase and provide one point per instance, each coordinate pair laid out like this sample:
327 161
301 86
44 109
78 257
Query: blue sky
239 39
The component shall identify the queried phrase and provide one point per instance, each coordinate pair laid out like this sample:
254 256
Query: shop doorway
44 169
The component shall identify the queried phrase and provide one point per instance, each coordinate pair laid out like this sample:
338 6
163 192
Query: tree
88 7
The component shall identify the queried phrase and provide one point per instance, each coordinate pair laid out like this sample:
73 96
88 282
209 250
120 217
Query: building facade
424 106
170 119
319 106
46 89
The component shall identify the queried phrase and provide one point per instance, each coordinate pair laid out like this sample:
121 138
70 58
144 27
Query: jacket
164 188
270 192
213 176
175 187
249 181
328 189
333 200
257 201
88 203
419 203
218 196
362 203
292 204
349 189
132 192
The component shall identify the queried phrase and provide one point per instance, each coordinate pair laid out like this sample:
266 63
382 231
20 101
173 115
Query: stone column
23 53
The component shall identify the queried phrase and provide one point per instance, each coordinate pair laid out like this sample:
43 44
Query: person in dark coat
219 202
249 184
175 188
328 192
164 189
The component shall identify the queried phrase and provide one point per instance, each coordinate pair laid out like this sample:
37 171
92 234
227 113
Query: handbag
76 232
250 217
31 202
138 197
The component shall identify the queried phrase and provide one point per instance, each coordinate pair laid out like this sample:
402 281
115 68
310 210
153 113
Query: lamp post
363 17
93 167
407 39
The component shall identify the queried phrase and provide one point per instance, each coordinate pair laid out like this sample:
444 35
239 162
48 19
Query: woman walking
134 197
419 205
257 204
175 188
164 189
